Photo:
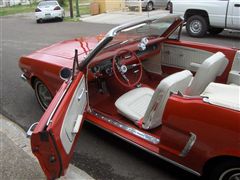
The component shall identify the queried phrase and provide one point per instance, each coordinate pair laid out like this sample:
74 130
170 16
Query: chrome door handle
189 145
81 94
30 129
77 124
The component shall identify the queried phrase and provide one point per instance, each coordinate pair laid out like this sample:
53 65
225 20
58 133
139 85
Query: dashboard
104 67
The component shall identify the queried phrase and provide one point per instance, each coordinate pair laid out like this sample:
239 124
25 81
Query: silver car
148 5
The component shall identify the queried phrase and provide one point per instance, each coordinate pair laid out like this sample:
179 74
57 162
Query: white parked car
49 10
148 5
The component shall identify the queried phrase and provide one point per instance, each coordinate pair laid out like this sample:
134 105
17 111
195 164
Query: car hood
66 49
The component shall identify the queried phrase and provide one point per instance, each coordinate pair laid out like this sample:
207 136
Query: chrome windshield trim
129 129
113 32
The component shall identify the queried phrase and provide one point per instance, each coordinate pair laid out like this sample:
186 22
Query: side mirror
65 74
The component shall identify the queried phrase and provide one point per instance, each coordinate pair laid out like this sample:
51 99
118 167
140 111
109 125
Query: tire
42 93
168 7
229 170
39 21
197 26
149 6
215 31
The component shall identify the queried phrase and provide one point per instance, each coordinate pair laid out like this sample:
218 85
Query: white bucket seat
207 73
148 105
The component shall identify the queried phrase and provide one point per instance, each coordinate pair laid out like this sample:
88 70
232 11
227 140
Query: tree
71 8
77 9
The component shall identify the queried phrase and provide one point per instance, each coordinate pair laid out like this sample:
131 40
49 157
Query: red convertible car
178 100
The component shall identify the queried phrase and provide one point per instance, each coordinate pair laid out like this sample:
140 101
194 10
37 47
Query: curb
18 136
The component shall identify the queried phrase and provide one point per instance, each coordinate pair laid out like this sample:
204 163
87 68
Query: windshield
47 3
150 29
140 31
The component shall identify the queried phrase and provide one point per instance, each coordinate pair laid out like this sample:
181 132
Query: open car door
55 135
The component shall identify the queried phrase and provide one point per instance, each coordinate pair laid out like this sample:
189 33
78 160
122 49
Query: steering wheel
124 61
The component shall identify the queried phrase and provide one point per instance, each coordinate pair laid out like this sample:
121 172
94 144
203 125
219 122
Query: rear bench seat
223 95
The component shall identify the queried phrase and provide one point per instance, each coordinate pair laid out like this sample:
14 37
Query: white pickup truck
211 16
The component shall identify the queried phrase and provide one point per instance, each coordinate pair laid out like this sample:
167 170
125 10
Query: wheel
39 21
196 26
215 31
42 93
226 171
149 6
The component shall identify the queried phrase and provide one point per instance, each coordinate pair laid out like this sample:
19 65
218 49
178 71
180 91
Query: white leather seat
148 105
223 95
207 73
134 103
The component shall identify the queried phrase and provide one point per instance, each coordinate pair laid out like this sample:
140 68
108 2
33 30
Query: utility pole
71 8
77 9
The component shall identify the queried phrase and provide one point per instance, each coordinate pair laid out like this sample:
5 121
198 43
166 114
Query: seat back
207 72
173 83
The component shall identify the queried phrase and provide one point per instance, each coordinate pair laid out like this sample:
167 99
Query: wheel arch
192 12
217 160
32 81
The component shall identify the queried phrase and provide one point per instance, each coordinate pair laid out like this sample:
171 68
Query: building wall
110 5
115 5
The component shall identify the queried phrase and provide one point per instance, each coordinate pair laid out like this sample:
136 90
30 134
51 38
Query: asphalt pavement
98 153
17 160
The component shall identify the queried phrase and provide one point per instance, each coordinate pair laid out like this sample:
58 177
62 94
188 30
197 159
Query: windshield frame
113 32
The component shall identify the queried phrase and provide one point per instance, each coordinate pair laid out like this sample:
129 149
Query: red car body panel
201 118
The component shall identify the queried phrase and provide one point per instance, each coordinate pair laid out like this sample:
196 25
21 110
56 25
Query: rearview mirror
65 74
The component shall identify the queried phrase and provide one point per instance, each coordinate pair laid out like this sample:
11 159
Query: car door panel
73 116
52 140
189 55
183 57
233 15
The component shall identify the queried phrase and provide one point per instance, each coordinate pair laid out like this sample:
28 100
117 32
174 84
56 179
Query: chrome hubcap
150 6
231 174
44 95
195 26
235 177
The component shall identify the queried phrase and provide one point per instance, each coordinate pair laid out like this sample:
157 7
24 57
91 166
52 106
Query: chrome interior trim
129 129
143 148
189 145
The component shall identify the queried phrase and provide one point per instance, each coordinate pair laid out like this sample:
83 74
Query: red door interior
55 136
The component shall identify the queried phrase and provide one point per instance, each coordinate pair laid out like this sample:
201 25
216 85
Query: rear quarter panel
217 130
